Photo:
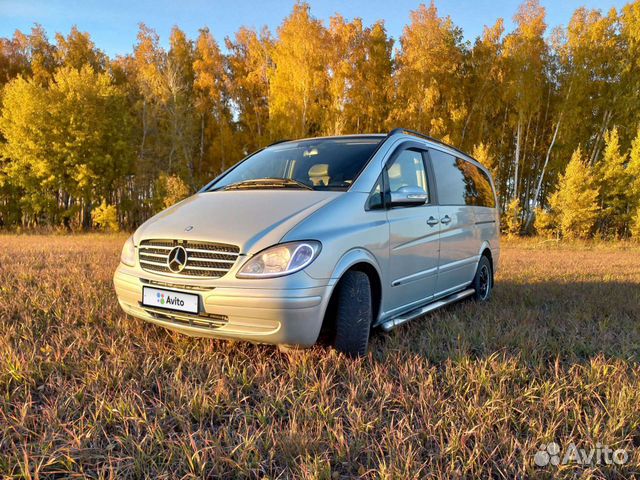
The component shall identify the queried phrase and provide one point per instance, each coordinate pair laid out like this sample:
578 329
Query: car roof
410 134
331 137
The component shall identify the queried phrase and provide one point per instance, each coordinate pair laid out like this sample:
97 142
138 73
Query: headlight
128 255
280 260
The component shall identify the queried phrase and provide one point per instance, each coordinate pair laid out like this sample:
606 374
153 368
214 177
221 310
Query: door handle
446 219
432 222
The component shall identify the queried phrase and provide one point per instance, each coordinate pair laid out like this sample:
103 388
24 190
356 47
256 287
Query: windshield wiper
267 183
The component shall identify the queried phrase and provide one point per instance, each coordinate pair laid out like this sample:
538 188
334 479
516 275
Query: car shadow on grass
539 321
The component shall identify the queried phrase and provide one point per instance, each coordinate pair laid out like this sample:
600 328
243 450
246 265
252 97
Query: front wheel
354 314
483 281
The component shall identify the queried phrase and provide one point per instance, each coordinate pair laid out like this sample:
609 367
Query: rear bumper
277 316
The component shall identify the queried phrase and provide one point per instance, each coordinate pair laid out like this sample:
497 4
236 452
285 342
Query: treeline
87 139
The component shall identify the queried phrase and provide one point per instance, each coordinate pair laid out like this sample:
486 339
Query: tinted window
452 188
461 182
376 198
479 180
407 171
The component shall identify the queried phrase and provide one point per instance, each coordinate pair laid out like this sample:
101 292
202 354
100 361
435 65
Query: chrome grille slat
158 247
154 255
153 263
216 252
204 259
211 260
206 269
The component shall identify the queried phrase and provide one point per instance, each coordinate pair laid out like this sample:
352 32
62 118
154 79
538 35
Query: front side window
407 172
376 198
317 164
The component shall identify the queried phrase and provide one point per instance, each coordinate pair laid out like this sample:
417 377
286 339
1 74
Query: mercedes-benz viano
333 234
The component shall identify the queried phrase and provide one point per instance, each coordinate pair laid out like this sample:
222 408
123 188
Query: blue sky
113 23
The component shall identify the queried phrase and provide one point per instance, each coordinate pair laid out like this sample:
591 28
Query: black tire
483 281
353 314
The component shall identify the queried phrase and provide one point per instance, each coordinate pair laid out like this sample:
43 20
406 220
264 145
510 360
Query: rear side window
478 180
460 182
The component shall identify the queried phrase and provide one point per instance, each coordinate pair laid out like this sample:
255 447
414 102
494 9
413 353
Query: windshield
318 164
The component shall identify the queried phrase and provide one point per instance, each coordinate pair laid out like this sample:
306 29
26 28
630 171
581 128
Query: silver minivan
333 234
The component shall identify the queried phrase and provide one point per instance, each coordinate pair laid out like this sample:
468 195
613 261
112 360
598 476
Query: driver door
414 233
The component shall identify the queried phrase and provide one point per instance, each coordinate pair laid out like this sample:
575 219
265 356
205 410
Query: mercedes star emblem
177 259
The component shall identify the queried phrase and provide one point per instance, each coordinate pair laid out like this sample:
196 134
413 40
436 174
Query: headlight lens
280 260
128 255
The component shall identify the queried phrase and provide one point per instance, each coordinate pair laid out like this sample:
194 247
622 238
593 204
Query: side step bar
394 322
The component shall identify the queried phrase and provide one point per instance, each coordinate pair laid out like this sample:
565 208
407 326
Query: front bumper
291 316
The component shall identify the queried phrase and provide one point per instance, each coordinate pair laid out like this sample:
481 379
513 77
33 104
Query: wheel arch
359 260
485 251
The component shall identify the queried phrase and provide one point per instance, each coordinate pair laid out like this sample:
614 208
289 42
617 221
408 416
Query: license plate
170 300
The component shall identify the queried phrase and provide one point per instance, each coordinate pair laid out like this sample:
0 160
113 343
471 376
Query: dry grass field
470 391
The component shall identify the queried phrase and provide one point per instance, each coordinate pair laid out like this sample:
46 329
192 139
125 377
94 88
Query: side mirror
408 197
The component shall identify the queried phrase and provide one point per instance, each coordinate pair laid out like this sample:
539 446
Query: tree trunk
517 159
144 128
536 195
595 152
201 159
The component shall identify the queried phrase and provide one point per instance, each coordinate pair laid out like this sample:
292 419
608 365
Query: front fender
353 257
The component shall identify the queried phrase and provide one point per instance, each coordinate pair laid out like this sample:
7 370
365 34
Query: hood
250 219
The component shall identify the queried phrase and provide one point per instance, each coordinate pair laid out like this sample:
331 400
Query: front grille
206 320
204 259
179 286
